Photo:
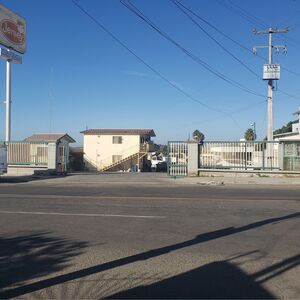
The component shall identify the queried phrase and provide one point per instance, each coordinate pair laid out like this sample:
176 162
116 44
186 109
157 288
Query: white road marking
103 197
79 215
92 197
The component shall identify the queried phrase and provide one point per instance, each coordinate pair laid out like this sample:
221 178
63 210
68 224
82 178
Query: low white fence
27 153
240 155
37 154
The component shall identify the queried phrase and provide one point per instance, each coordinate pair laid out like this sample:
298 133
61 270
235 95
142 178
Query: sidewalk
239 179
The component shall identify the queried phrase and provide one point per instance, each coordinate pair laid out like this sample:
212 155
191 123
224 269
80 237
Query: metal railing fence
177 158
255 155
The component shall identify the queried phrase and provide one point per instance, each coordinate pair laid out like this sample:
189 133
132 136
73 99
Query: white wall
295 127
295 137
99 149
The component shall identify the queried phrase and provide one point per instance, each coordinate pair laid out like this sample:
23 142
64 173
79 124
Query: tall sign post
13 37
8 101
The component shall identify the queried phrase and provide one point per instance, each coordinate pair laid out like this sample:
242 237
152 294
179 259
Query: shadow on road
29 178
217 280
33 255
218 271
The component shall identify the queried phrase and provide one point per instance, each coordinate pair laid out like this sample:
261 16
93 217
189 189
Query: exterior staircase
139 155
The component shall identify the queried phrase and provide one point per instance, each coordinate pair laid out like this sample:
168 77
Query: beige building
117 149
42 152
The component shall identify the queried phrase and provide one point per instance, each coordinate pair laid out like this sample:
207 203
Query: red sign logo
14 32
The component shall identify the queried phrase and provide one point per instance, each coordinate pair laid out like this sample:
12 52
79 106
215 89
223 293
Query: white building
117 149
294 135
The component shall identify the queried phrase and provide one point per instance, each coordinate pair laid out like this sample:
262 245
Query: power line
231 39
195 58
100 25
247 14
238 44
288 94
252 19
140 59
181 7
242 15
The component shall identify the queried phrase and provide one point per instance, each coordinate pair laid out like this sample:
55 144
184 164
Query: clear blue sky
74 75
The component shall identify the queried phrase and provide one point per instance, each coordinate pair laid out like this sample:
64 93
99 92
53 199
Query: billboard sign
12 30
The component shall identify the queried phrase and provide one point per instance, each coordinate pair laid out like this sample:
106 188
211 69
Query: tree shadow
42 284
30 256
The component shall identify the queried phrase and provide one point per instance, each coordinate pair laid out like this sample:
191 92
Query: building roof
291 133
49 137
149 132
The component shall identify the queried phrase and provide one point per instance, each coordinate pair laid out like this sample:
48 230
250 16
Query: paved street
148 236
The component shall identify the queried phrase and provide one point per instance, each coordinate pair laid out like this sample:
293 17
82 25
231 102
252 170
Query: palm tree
250 135
198 136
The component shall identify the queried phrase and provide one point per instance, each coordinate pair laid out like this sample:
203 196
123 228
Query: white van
3 158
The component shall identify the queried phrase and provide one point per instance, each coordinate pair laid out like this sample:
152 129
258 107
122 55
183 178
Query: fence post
281 155
193 158
52 156
245 155
263 153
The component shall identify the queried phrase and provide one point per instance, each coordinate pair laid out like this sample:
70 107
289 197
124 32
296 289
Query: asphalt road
147 236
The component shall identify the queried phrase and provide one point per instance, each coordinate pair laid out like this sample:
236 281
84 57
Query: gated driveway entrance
177 158
237 156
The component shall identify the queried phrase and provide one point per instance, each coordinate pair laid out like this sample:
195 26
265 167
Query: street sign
11 56
271 72
12 30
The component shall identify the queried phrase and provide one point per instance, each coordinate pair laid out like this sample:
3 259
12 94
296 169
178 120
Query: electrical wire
234 41
253 19
195 58
288 94
99 24
246 16
183 9
115 38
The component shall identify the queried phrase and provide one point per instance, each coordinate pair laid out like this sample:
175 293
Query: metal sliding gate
177 158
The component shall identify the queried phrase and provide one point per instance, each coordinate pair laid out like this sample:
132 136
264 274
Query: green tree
250 135
198 136
286 128
164 150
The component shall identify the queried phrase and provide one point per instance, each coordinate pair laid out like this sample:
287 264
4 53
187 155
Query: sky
75 75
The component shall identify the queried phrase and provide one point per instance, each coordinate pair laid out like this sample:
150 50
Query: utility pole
254 130
271 72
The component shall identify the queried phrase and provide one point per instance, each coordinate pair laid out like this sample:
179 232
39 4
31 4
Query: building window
117 140
116 158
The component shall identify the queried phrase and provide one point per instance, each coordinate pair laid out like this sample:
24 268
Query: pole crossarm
271 30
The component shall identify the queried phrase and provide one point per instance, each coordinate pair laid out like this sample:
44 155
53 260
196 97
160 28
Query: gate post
193 158
52 156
